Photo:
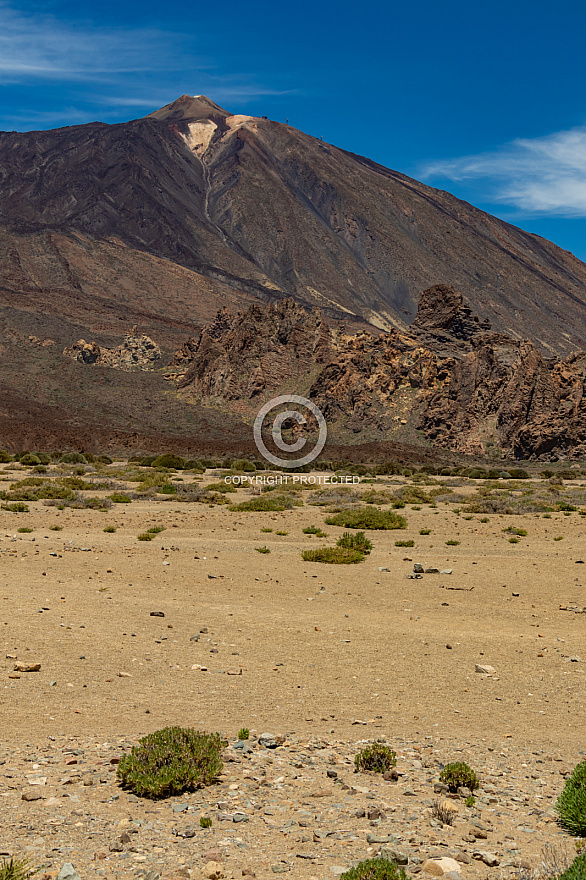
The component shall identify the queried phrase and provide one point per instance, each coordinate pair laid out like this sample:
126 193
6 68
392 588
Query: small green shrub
73 458
221 487
452 543
16 869
333 555
109 529
171 761
470 801
55 528
513 530
266 530
459 774
156 530
281 533
514 540
167 489
559 538
265 502
243 733
30 458
25 530
146 536
5 457
425 531
17 507
577 870
205 822
243 464
376 757
409 543
314 530
571 804
359 542
367 518
168 461
120 498
263 549
484 519
375 869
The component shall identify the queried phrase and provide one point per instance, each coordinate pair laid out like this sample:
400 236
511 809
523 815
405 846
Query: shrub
425 531
73 458
281 533
120 498
147 460
194 465
30 458
367 518
452 543
156 530
17 507
334 555
376 757
513 530
56 528
171 761
16 869
409 543
109 529
359 542
457 775
577 870
571 804
168 460
518 474
243 733
243 464
221 487
167 489
514 540
145 536
24 530
263 549
470 801
205 822
265 502
314 530
378 868
5 457
441 810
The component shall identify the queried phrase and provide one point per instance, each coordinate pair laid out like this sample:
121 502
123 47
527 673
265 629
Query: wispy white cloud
538 176
41 46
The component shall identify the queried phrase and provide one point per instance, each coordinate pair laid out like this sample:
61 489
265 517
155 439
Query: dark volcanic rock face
489 391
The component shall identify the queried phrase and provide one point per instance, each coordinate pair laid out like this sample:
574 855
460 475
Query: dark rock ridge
450 377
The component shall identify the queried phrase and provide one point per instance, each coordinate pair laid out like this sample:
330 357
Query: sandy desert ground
320 653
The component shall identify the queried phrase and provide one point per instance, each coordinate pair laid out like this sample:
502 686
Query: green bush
376 757
243 464
425 531
458 774
263 549
205 822
145 536
243 733
375 869
571 804
167 489
452 543
359 542
120 498
30 458
25 530
169 460
5 457
368 518
171 761
16 869
220 487
314 530
109 529
73 458
577 870
156 530
17 507
409 543
265 502
334 555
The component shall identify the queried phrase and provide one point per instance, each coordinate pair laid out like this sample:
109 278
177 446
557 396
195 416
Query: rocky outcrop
450 379
135 353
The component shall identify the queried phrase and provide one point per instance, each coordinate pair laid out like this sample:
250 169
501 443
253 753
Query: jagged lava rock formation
463 386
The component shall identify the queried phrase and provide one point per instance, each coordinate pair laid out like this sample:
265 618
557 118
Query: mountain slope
243 204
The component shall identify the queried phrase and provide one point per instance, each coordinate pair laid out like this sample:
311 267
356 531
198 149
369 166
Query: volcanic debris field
135 598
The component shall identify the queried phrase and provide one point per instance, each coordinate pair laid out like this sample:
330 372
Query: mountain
159 222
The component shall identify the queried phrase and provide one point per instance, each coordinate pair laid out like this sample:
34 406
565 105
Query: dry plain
325 655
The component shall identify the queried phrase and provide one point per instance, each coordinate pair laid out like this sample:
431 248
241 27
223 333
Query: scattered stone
157 613
446 571
485 670
488 858
440 867
270 741
213 871
27 667
31 796
68 872
418 568
394 855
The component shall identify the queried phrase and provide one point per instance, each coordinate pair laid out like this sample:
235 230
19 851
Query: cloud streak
538 176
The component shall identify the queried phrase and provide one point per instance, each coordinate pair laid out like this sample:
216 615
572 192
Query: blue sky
484 99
